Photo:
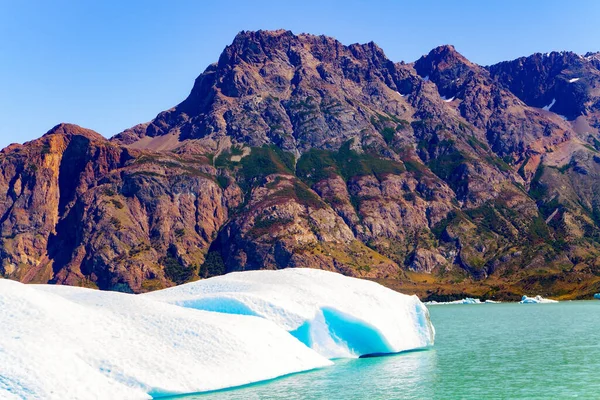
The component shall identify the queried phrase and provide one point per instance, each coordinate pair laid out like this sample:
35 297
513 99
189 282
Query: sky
108 65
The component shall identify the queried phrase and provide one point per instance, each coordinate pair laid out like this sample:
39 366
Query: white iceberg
72 343
467 300
60 342
333 314
535 300
572 80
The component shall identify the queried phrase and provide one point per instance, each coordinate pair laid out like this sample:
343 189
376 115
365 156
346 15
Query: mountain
439 177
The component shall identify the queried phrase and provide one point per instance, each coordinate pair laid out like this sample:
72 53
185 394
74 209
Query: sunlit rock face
300 151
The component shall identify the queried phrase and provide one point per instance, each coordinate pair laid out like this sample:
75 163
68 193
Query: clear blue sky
107 65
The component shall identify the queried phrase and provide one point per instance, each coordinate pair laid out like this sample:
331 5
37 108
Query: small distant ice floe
597 296
549 106
573 80
426 79
535 300
401 95
467 300
448 100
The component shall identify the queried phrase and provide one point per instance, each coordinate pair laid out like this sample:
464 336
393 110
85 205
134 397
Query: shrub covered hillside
438 177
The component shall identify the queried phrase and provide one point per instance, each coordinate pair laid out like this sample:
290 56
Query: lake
486 351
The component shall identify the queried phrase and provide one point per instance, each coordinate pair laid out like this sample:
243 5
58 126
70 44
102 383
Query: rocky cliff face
440 176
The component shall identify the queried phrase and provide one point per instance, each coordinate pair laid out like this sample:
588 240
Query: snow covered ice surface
335 315
535 300
60 342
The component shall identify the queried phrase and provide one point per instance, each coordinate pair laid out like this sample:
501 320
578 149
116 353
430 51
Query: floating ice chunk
491 302
426 78
467 300
401 95
597 296
549 106
61 342
448 100
335 315
535 300
573 80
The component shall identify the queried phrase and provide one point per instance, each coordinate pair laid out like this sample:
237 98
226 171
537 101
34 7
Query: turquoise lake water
487 351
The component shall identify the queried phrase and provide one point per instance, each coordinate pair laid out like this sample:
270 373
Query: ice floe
335 315
573 80
467 300
60 342
80 343
448 100
597 296
535 300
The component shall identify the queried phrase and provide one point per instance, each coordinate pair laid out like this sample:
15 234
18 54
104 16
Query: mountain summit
440 177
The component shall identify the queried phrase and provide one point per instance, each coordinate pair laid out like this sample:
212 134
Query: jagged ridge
295 150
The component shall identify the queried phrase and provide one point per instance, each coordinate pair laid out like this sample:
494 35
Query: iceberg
335 315
597 296
536 300
63 342
467 300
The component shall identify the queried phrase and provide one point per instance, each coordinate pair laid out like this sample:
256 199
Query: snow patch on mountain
549 106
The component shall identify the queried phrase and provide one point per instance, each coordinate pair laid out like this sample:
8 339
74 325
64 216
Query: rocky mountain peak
564 82
450 71
277 80
74 130
443 61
